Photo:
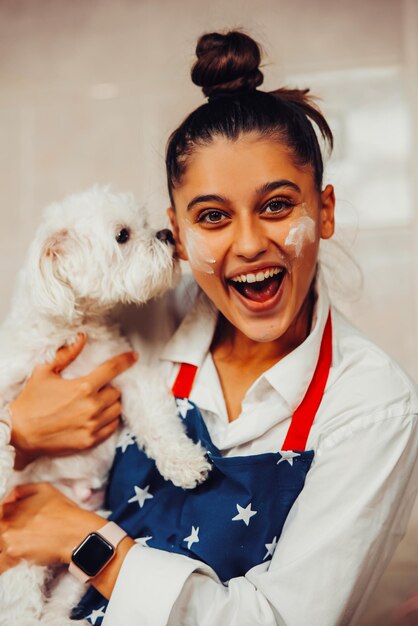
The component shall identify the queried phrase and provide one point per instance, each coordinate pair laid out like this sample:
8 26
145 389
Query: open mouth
259 287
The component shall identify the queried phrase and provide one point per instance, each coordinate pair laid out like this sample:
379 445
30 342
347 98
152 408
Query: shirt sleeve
337 539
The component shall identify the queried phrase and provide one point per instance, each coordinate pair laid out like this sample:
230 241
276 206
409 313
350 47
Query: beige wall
90 89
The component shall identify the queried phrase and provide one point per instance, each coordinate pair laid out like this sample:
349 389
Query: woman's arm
40 524
337 539
54 416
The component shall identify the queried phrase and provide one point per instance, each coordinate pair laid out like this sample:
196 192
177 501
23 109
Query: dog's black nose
165 235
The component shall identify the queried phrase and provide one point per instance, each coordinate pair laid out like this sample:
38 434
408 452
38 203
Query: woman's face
249 222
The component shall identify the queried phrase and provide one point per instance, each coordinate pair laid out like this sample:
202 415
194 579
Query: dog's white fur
75 274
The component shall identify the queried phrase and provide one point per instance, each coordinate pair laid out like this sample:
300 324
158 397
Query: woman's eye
277 206
212 217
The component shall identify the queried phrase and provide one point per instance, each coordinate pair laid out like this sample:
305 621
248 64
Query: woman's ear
172 216
327 222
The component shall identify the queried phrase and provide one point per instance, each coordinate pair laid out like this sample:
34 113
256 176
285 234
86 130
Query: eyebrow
208 198
266 188
276 184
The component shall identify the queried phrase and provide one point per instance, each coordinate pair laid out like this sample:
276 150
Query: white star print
141 495
193 537
143 541
183 406
244 514
270 547
96 614
126 439
288 455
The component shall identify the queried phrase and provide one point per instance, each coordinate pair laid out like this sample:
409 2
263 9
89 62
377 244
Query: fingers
108 395
111 368
21 491
10 498
6 562
67 354
107 430
109 415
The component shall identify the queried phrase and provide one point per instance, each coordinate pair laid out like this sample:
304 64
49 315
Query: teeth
252 278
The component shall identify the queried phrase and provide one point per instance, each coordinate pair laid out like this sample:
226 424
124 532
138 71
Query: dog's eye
123 235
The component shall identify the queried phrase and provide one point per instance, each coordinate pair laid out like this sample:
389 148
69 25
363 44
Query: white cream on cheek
301 231
200 257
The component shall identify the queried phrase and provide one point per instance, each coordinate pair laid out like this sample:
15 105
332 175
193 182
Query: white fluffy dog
92 252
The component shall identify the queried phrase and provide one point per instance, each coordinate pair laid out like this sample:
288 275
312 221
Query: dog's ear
51 289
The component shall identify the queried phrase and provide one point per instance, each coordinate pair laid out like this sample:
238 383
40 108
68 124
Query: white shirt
354 507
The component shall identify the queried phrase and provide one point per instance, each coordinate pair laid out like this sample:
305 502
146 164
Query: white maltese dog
92 252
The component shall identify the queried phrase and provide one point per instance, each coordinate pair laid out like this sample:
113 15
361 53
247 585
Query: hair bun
227 63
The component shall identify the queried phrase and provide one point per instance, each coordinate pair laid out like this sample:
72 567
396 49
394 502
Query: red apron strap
303 417
184 381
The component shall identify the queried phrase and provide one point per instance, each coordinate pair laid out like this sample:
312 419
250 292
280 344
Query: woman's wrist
87 523
105 580
82 524
24 456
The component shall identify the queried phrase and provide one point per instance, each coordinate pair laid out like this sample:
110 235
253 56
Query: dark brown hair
227 69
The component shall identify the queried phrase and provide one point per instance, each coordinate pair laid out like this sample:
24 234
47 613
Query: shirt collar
191 341
290 377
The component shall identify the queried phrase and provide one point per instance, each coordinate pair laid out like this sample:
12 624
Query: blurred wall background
91 89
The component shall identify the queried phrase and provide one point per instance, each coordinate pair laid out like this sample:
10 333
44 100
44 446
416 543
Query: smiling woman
260 217
310 429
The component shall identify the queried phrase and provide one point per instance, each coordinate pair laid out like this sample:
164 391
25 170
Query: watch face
93 554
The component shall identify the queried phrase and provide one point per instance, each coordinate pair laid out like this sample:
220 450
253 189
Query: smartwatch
95 551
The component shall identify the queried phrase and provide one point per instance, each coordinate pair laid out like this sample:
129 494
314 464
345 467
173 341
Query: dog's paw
185 470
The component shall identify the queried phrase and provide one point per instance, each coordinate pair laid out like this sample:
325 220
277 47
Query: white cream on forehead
303 229
200 257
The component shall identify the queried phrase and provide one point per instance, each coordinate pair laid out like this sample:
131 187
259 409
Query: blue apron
234 519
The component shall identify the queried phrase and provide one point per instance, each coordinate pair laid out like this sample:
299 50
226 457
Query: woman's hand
54 416
39 524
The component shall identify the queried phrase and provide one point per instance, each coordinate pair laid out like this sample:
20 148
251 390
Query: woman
279 387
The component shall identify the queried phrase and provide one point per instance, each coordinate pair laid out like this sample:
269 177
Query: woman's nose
249 239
